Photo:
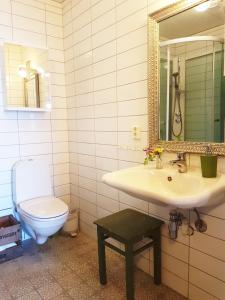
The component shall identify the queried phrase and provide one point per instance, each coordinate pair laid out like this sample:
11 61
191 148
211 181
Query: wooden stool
129 227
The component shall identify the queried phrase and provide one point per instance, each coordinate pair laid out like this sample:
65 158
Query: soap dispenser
209 163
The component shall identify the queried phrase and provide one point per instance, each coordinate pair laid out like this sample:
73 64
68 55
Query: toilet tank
30 179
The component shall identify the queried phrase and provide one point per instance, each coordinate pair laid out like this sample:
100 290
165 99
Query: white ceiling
191 22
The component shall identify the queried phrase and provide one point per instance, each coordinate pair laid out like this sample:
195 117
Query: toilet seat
44 208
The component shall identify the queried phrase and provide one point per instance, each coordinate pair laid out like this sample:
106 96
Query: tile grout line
93 96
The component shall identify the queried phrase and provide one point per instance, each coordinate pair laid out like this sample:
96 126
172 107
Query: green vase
209 166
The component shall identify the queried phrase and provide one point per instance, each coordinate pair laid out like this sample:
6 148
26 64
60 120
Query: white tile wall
106 83
105 45
40 135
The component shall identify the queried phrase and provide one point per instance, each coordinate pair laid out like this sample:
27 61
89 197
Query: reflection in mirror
27 77
192 94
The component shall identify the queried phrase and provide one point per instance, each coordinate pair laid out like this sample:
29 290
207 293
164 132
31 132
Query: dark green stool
129 227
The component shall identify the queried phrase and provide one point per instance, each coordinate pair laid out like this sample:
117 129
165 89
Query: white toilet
40 213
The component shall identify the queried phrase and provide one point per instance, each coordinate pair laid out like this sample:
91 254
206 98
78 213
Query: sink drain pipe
174 222
177 219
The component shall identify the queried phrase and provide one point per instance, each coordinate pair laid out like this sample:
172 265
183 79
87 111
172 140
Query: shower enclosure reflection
191 94
192 79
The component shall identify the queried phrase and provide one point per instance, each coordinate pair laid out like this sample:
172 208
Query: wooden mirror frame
153 84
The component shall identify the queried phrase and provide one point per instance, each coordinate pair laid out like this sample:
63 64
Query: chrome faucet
180 162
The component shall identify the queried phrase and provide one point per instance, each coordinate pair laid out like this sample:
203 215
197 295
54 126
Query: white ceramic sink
168 187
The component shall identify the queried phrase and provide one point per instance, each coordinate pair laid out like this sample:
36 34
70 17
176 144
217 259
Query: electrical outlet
136 132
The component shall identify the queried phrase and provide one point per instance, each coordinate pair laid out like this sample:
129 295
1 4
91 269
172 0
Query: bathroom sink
168 187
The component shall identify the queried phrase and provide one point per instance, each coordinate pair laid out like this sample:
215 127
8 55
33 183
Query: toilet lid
44 207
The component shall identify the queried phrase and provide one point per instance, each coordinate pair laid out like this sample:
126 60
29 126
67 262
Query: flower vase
159 163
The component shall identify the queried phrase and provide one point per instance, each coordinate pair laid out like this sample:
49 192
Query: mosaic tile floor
66 268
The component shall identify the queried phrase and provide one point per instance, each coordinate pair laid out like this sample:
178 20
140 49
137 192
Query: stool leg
101 256
157 258
129 272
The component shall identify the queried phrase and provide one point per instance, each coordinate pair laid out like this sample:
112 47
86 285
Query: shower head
175 74
176 79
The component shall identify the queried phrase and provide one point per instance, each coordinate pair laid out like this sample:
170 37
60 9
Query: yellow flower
159 150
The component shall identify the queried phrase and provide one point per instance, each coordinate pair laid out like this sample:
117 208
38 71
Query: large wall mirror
26 77
186 76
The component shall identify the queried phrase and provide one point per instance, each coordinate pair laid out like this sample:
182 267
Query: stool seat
129 225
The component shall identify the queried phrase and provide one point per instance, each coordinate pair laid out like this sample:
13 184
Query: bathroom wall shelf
29 109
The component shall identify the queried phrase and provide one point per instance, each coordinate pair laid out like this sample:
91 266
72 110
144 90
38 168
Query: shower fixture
177 118
176 79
